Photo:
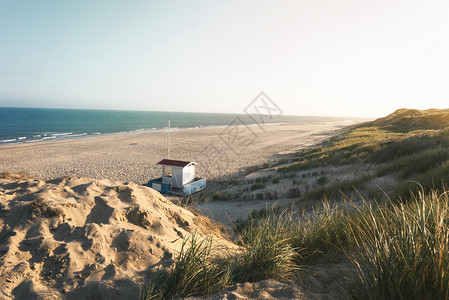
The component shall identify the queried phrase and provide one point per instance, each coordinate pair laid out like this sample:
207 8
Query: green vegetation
322 180
217 196
411 145
262 179
416 163
403 251
224 196
265 253
337 188
257 186
398 245
193 273
399 251
253 169
267 250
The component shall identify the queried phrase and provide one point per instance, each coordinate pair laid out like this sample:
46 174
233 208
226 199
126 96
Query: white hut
177 172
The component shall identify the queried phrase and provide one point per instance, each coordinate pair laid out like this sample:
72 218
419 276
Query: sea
31 125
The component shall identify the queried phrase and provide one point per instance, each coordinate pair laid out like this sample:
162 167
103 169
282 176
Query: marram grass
399 250
403 251
266 252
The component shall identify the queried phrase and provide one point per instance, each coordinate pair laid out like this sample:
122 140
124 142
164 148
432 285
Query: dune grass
267 249
265 253
194 272
374 144
337 188
407 149
400 250
416 163
399 245
403 251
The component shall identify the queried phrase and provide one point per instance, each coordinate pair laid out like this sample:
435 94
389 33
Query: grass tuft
404 251
194 273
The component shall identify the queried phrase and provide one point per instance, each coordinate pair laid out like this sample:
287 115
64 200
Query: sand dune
77 237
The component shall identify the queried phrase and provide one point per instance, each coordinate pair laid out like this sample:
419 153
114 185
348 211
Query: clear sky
312 57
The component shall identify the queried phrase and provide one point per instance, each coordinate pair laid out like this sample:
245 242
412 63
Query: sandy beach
219 151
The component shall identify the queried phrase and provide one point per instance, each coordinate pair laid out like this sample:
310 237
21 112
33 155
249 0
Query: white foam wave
80 134
62 134
47 138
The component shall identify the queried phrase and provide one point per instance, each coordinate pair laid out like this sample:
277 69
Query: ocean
30 125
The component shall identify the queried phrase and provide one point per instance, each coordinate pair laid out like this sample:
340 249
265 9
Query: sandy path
220 151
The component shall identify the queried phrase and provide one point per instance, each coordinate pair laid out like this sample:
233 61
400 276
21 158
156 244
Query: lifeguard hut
178 178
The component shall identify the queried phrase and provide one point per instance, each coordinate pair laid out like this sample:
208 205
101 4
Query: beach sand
219 151
78 238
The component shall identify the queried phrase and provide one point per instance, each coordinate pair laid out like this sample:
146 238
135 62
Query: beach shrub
338 188
257 186
294 192
322 180
223 196
217 196
262 179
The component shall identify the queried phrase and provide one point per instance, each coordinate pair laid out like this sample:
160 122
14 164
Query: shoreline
61 136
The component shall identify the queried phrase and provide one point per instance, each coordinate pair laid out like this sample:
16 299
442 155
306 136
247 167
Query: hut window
167 172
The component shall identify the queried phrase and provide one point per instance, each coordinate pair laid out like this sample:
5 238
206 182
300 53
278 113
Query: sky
311 57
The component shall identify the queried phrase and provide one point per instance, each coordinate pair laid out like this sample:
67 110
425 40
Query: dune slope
73 238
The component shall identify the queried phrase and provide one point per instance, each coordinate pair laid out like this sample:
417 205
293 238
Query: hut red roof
175 163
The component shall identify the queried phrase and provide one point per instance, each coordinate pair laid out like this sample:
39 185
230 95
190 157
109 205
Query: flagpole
168 138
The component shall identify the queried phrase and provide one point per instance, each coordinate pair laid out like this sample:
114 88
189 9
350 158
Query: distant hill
416 119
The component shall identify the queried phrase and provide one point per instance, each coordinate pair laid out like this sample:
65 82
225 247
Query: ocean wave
22 138
62 134
37 135
79 134
47 138
7 141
